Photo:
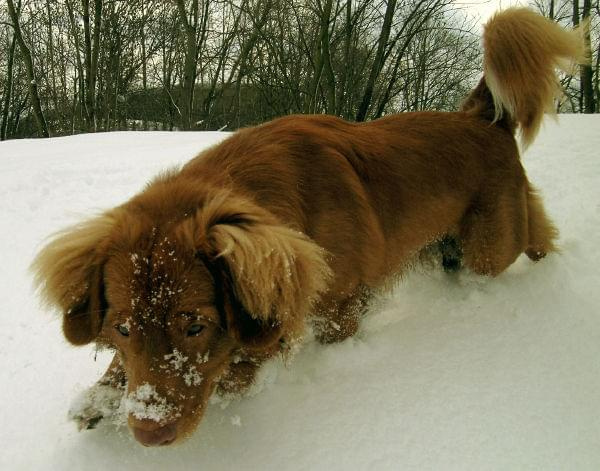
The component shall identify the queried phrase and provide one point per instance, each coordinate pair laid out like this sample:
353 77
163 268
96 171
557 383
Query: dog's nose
161 435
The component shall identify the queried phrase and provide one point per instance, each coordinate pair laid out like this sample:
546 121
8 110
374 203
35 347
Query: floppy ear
68 275
276 273
249 331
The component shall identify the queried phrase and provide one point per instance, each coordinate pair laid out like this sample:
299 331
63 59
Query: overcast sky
484 8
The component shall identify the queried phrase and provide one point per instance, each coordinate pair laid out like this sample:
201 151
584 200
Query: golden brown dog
215 267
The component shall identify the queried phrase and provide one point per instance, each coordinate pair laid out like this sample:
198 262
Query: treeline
71 66
583 95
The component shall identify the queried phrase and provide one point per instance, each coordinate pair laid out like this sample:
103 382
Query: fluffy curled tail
522 51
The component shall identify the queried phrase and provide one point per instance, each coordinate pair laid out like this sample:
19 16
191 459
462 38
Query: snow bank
446 373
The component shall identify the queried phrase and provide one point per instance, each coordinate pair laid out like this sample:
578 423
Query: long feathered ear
278 273
68 275
252 333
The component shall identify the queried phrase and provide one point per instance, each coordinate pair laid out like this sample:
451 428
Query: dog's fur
215 267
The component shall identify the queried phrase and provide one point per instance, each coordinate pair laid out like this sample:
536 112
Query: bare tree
204 64
33 86
8 87
92 50
587 74
194 25
583 95
378 62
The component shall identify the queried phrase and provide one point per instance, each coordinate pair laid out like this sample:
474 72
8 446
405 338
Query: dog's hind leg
542 233
494 233
337 320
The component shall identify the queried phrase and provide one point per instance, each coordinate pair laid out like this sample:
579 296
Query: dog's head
180 300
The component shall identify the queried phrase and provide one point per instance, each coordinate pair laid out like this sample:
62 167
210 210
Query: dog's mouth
169 425
150 433
154 434
152 417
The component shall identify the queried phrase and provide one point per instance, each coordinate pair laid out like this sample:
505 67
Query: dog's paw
238 378
94 404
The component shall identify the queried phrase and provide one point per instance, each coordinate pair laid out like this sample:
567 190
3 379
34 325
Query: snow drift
447 372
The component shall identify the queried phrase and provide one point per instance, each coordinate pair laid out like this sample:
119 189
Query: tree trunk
9 86
597 79
412 25
144 64
349 69
92 49
221 66
587 74
74 105
242 60
95 53
323 80
191 59
57 109
329 83
378 62
80 73
575 24
33 88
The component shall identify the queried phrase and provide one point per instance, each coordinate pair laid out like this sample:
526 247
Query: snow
447 372
176 359
146 403
99 401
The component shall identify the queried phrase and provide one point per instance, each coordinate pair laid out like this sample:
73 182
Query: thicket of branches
69 66
583 94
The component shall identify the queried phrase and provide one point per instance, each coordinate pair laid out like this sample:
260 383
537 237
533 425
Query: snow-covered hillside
446 373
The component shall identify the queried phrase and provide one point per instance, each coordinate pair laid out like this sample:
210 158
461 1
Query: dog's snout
153 434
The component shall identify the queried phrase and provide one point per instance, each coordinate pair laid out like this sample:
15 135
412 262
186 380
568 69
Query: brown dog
215 267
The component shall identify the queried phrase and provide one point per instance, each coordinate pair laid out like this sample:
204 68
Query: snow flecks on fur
192 376
135 260
127 324
189 372
175 359
202 358
146 403
152 269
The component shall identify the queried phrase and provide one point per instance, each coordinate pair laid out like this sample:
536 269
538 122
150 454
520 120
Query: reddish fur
301 216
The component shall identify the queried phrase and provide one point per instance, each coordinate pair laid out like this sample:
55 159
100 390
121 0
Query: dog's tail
521 53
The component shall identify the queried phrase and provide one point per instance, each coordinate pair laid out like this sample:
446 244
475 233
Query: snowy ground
446 373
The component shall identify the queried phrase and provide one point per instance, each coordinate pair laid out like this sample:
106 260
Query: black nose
162 435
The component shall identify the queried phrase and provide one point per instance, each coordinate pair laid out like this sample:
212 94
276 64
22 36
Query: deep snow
446 373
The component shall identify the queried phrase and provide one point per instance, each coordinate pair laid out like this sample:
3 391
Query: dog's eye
194 330
123 329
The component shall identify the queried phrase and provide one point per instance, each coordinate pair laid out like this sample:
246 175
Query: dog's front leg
238 377
102 400
337 320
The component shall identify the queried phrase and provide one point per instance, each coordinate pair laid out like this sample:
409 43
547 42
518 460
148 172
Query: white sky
483 9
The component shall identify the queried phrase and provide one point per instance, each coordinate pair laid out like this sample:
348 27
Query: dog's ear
68 272
276 273
251 332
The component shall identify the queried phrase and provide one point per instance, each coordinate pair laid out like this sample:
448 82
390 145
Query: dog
217 266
